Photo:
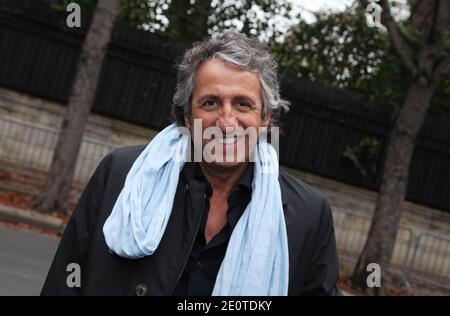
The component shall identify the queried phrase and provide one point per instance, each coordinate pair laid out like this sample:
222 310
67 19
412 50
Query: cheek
208 117
251 119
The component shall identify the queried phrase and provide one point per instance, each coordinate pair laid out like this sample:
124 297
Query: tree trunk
427 69
57 190
383 230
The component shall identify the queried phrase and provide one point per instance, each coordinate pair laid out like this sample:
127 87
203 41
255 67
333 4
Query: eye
243 104
209 102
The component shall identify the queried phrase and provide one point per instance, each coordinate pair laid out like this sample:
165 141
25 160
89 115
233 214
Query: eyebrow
236 98
207 97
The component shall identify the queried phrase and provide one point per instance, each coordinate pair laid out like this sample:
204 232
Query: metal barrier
351 231
32 145
430 260
425 258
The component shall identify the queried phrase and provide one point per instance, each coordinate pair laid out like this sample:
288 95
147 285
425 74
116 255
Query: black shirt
200 272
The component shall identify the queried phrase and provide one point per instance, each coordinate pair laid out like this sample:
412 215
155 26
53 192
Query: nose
227 118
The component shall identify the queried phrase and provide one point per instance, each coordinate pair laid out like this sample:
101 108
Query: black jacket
313 262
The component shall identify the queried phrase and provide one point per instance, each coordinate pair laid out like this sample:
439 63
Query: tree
57 189
337 49
265 19
427 63
192 20
188 20
340 49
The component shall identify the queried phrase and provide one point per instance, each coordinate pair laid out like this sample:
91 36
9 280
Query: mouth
226 140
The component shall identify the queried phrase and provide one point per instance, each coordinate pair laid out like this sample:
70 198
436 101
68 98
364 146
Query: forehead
217 77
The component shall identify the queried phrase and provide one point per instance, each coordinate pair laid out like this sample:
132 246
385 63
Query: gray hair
239 51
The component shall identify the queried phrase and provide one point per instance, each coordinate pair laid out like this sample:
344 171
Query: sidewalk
33 218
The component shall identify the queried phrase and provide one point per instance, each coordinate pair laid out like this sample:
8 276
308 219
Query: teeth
226 140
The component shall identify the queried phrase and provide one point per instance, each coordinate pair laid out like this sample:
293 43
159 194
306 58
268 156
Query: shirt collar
245 181
240 194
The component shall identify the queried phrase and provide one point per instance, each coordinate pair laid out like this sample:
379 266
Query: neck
223 179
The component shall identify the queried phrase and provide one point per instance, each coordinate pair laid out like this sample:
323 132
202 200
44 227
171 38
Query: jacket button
186 188
141 290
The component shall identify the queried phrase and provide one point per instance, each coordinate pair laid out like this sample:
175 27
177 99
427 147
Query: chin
225 164
231 162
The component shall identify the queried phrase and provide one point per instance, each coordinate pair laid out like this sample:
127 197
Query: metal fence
32 146
424 258
430 260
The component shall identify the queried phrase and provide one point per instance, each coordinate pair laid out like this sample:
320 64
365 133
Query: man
218 225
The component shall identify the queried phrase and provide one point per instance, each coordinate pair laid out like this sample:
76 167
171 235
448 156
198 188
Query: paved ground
25 258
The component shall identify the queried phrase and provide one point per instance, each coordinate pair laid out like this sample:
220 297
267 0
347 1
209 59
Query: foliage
340 49
192 20
364 156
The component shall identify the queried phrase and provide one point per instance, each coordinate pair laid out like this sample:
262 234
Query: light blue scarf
256 261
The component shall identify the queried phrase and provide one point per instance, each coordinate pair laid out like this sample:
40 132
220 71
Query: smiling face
229 99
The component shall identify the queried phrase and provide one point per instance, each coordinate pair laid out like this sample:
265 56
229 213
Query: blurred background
369 124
